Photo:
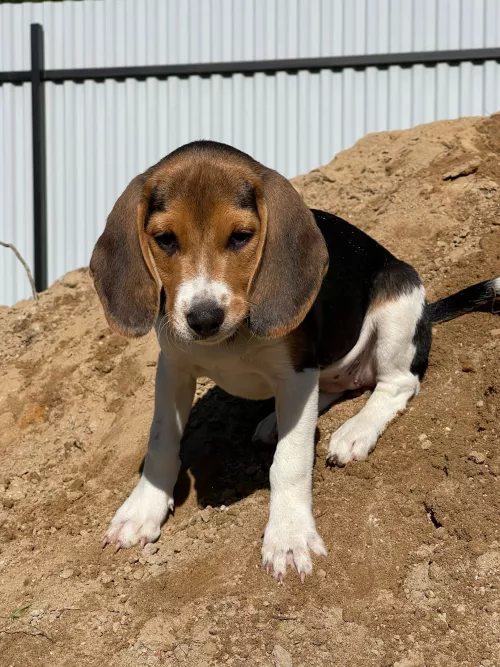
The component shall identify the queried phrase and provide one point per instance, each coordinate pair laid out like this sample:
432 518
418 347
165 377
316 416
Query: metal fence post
39 157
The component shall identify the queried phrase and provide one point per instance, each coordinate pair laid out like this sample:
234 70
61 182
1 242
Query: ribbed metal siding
102 33
16 206
99 135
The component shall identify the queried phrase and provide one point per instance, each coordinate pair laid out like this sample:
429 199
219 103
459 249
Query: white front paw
289 537
353 441
140 517
267 430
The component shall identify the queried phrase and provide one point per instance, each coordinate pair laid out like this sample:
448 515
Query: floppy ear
293 262
122 267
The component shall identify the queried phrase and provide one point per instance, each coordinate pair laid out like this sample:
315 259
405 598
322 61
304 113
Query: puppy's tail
483 296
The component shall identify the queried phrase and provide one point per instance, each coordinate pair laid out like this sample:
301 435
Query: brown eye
168 242
239 239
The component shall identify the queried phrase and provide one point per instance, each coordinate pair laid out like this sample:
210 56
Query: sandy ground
413 573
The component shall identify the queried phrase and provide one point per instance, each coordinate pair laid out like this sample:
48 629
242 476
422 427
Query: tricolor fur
249 287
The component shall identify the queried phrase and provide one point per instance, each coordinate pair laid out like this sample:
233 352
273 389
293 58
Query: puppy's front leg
140 517
291 532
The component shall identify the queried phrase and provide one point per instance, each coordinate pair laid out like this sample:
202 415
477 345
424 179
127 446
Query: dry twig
26 267
21 631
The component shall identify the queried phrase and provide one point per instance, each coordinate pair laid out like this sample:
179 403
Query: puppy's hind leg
403 336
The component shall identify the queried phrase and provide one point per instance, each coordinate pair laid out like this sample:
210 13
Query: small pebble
66 574
468 367
150 549
477 457
209 649
479 404
281 657
206 514
321 574
495 333
181 652
422 437
16 493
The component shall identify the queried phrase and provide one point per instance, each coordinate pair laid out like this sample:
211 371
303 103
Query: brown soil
413 573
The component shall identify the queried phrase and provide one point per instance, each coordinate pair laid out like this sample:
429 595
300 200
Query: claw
118 547
280 578
143 542
333 462
104 542
302 577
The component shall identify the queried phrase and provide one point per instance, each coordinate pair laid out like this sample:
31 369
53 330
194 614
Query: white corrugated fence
100 134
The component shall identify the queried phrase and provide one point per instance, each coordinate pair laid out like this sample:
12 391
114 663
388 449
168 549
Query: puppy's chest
248 371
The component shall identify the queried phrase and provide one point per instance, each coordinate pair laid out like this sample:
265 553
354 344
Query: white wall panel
16 208
99 33
99 135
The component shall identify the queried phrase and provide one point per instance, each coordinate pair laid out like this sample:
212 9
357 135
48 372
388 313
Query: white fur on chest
248 368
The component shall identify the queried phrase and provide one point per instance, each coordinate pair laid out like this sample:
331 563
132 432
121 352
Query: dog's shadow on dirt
224 463
218 451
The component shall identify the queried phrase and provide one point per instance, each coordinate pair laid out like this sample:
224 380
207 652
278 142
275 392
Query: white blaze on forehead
201 288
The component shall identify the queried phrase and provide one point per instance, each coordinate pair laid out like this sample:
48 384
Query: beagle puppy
249 287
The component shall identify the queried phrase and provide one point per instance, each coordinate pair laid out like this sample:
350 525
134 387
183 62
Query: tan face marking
204 232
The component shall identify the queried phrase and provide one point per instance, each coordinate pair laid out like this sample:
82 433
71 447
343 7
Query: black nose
205 319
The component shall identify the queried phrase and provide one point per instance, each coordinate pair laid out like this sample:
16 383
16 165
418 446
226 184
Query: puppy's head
227 240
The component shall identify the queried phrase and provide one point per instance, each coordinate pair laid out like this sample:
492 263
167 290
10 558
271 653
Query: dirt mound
413 573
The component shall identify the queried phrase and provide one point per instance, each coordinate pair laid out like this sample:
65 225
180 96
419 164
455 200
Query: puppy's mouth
182 334
210 324
206 324
222 336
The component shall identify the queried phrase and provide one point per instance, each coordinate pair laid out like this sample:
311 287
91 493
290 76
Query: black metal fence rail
38 75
